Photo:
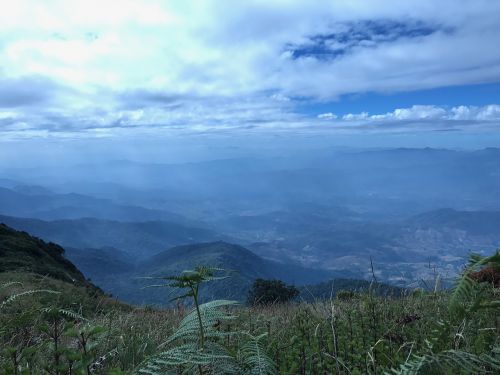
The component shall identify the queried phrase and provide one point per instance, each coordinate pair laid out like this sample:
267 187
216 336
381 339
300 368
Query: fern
466 299
63 312
255 359
190 355
210 356
211 315
466 296
196 345
9 284
16 296
26 293
450 362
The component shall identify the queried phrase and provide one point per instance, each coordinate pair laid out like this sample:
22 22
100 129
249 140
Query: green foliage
75 331
467 298
198 345
450 362
265 292
41 331
254 357
346 295
26 293
332 288
21 252
467 295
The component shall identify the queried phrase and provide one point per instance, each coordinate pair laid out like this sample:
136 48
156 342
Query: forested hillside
21 252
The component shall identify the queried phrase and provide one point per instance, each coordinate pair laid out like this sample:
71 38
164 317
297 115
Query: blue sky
106 69
450 96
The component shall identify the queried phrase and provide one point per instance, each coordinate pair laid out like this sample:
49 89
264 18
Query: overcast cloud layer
105 68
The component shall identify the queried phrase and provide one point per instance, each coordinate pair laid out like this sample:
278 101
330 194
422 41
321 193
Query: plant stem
196 303
198 312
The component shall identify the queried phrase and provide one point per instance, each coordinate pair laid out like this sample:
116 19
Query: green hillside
240 264
21 252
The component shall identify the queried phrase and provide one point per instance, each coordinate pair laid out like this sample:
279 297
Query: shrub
266 292
346 295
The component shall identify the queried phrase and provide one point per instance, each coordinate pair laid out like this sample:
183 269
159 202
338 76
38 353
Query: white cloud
226 63
461 112
7 115
416 112
280 98
489 112
432 113
327 116
355 116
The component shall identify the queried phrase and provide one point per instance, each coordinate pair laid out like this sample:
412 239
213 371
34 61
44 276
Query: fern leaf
255 359
450 360
211 316
9 284
465 288
14 297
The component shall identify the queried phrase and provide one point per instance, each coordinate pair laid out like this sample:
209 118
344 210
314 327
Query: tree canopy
265 292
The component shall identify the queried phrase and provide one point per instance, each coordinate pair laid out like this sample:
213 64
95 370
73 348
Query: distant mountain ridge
34 201
139 239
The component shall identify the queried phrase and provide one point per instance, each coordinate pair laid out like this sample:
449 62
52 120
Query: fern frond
67 313
255 359
465 291
195 348
450 360
211 315
462 293
9 284
14 297
214 358
190 353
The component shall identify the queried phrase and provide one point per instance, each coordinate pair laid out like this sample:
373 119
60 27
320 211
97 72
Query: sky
151 69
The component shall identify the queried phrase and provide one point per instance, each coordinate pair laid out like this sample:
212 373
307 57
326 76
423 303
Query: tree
265 292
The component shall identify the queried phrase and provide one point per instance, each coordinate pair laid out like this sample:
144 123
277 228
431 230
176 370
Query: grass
356 334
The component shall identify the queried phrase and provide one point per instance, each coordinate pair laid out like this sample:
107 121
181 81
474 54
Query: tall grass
424 332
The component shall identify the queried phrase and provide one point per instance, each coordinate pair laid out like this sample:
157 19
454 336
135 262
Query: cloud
433 113
357 116
27 91
327 116
416 112
93 66
488 112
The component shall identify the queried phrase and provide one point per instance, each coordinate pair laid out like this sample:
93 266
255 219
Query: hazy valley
413 213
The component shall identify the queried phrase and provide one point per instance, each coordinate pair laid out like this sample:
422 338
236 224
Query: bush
346 295
266 292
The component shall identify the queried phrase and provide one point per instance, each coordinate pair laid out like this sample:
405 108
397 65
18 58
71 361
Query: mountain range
412 213
401 250
115 273
138 239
